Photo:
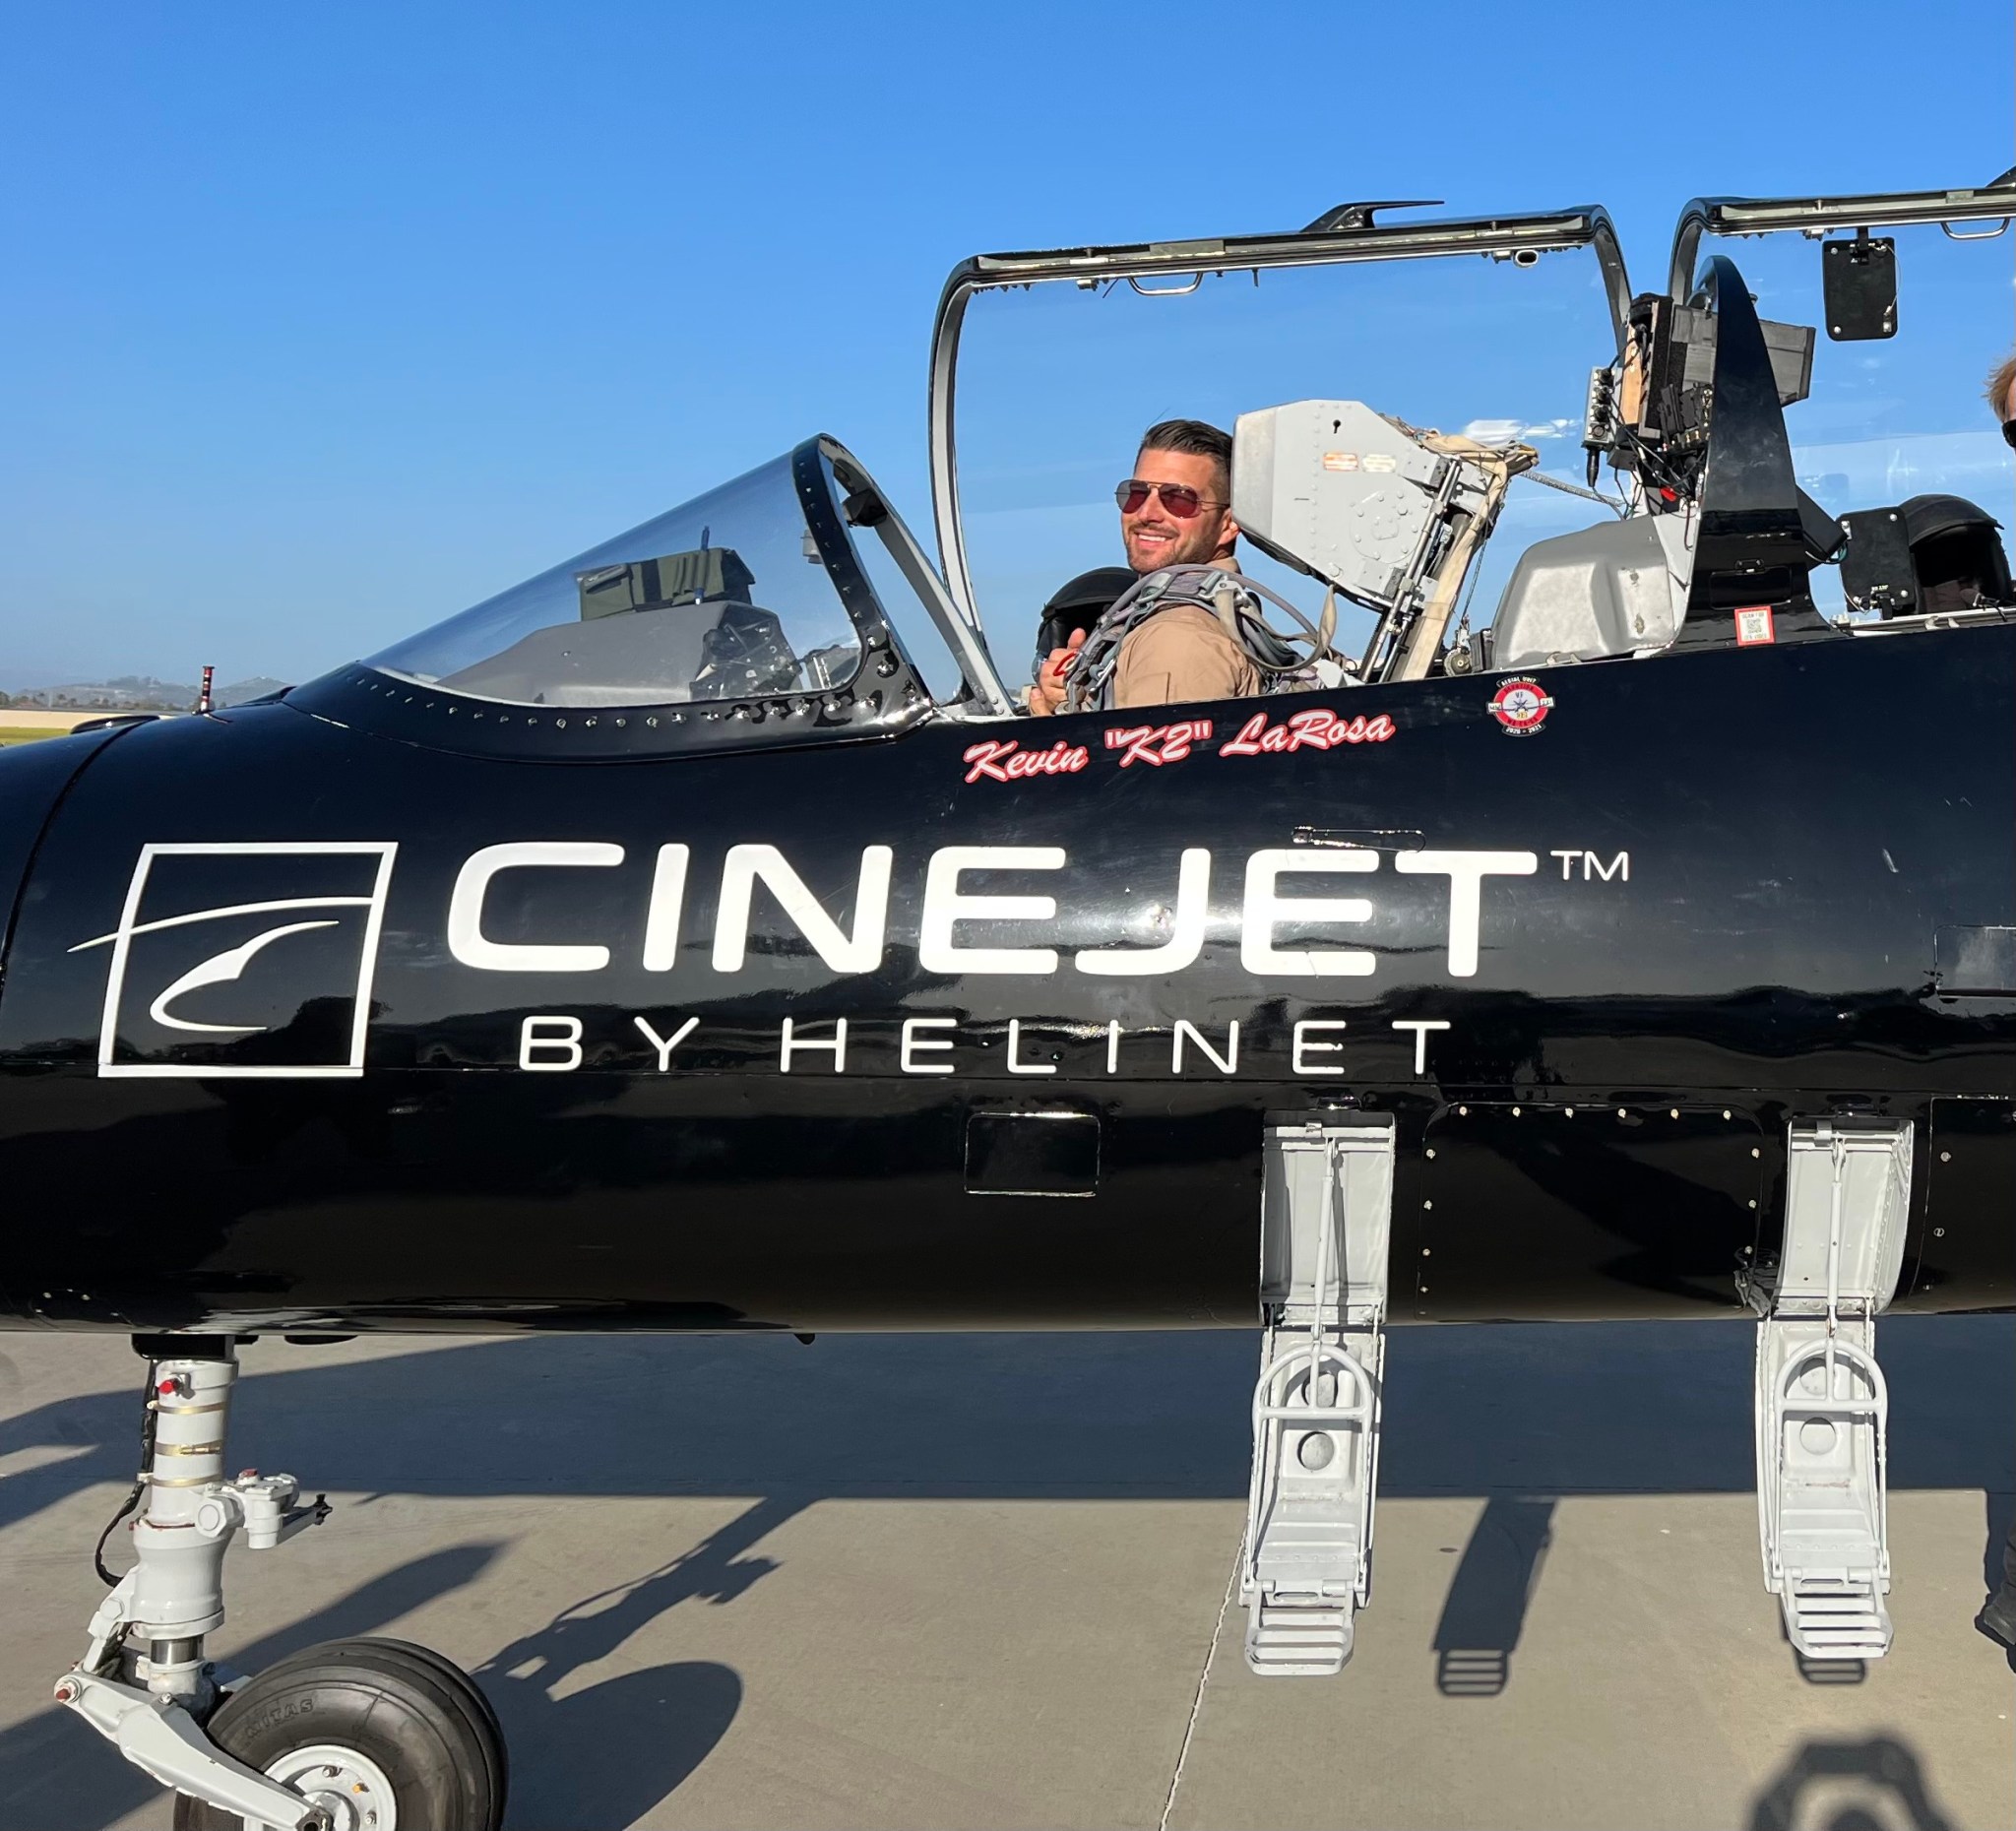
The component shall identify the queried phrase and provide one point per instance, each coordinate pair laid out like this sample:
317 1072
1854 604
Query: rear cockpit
1903 310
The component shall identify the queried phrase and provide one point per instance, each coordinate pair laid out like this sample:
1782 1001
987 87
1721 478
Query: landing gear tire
380 1735
460 1689
469 1696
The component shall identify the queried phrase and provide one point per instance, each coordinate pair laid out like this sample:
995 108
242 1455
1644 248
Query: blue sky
319 325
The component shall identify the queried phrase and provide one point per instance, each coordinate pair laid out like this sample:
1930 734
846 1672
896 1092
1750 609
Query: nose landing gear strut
354 1735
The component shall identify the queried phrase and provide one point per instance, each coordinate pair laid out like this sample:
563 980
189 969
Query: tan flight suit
1179 655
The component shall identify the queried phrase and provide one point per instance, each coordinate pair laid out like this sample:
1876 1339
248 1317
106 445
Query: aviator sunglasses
1179 499
2009 437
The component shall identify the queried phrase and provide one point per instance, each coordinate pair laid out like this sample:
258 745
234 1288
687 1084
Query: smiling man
1175 510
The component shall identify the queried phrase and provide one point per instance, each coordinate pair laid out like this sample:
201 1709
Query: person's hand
1047 693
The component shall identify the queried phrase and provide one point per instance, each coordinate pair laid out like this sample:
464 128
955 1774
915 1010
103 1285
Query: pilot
1175 510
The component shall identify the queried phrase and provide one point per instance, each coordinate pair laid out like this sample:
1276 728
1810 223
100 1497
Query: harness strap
1230 597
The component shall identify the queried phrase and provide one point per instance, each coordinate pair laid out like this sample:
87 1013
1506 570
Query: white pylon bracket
1326 1219
1822 1404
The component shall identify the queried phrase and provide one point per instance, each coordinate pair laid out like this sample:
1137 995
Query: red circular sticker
1521 706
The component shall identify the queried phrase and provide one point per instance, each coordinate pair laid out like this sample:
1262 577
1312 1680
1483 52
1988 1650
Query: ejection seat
1608 590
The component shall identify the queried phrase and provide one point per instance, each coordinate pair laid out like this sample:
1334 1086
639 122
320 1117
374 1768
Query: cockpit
724 598
1460 446
789 606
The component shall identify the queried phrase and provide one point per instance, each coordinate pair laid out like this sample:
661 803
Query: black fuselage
1763 883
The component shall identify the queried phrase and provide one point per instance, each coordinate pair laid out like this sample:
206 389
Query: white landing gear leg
1822 1406
1306 1568
144 1684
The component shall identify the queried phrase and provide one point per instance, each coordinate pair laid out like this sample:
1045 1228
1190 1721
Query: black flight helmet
1956 553
1077 603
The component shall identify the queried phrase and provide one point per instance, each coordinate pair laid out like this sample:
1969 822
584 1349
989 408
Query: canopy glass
1055 379
725 597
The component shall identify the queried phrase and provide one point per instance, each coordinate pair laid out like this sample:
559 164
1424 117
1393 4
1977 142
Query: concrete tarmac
981 1580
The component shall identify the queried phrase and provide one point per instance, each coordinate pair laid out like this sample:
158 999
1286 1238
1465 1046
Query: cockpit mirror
862 506
1859 287
702 575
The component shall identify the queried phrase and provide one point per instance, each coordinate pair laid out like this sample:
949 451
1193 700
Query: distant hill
240 691
122 693
140 693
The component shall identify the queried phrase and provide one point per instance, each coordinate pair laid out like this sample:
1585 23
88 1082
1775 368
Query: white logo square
303 920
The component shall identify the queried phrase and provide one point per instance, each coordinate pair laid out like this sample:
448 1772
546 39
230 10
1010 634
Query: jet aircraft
698 936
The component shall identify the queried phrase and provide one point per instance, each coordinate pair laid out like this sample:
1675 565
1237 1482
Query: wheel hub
350 1788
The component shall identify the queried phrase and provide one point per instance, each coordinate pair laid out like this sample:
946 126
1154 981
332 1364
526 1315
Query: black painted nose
33 779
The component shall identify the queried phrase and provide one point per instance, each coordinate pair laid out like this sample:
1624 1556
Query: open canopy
1046 368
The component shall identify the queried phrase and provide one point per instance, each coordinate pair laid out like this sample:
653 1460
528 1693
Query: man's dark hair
1193 438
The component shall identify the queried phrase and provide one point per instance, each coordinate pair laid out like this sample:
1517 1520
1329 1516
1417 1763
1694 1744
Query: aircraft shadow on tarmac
1485 1608
1521 1414
1878 1785
1541 1409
